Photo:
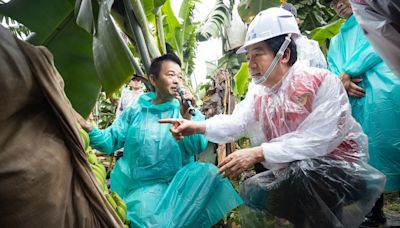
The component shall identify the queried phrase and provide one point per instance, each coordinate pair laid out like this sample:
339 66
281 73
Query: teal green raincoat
157 176
378 111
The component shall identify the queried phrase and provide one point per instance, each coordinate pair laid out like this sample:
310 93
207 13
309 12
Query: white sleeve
120 106
229 128
320 133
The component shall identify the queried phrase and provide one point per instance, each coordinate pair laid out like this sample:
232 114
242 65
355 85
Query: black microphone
187 104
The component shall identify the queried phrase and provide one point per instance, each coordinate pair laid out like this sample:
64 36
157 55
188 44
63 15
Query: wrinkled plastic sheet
322 192
380 21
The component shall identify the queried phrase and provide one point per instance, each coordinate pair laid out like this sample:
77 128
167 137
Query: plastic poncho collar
146 101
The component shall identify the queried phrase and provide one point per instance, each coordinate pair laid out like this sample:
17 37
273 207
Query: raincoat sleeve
196 143
229 128
333 52
320 133
364 59
112 138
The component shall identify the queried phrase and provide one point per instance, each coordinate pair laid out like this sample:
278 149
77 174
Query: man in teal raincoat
157 176
374 93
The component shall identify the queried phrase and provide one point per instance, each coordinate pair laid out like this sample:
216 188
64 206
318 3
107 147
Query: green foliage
230 61
216 21
248 9
107 108
111 55
392 203
18 29
140 15
149 7
241 81
313 14
86 61
180 35
322 34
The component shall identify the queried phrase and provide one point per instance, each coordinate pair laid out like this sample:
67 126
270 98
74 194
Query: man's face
135 84
170 76
342 8
260 57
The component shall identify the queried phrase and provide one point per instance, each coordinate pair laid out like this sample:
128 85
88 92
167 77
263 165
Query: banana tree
248 9
323 33
90 57
88 48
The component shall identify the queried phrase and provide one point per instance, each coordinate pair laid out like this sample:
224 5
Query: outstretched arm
183 127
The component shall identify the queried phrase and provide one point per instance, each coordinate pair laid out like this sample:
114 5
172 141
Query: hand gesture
239 161
350 84
182 127
83 122
187 96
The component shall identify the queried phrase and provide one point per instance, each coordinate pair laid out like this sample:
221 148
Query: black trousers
309 193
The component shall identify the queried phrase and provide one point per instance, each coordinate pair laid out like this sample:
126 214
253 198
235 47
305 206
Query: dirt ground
392 209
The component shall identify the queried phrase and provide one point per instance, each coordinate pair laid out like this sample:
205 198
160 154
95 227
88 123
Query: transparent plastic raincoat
378 111
315 150
157 176
309 53
380 21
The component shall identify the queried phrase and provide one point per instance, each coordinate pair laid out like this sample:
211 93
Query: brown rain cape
45 180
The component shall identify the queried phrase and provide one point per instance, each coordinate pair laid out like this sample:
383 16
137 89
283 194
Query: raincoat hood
146 101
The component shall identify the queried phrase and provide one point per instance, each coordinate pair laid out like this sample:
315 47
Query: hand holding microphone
187 104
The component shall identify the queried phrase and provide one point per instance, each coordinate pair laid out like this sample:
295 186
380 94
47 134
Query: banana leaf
241 81
85 62
248 9
213 25
322 34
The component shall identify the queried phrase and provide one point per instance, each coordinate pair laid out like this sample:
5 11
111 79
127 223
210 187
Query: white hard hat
268 24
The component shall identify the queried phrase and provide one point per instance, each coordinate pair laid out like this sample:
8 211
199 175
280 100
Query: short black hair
276 42
135 77
156 64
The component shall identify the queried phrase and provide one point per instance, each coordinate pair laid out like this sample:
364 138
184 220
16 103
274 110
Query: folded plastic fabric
380 21
196 197
321 192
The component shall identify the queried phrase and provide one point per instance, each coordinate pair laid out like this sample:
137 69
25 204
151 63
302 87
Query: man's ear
286 56
152 80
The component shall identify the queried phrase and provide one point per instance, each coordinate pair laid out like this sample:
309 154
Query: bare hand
350 84
239 161
182 127
87 127
188 96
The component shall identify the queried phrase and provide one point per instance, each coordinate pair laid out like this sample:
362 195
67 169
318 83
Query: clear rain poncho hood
315 150
157 176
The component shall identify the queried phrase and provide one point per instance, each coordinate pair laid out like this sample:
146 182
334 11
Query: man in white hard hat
300 125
